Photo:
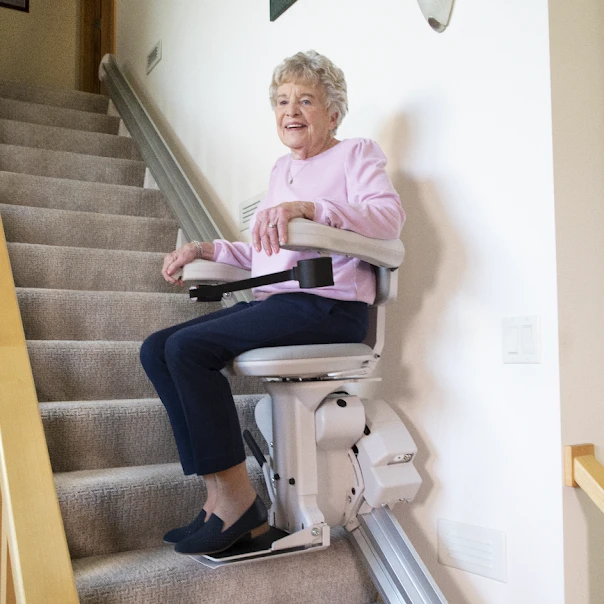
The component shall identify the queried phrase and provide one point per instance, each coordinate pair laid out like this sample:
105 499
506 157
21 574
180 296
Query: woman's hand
175 260
270 226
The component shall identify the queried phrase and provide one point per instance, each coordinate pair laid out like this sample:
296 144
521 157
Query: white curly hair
315 69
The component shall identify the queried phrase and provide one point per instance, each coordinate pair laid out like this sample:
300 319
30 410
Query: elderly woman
342 184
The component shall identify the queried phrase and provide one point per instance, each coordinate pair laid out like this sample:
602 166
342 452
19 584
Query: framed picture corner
22 5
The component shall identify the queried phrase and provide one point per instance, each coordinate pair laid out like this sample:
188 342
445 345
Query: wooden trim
97 38
7 586
34 542
107 29
582 469
87 16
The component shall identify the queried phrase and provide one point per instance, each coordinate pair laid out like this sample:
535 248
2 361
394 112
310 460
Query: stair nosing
86 249
82 94
104 136
93 292
110 118
73 155
90 183
79 213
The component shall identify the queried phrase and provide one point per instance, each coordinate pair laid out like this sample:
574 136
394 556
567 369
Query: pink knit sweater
351 190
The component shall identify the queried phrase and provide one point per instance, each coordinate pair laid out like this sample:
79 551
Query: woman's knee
184 348
152 351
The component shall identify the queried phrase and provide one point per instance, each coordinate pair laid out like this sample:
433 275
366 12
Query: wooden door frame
91 50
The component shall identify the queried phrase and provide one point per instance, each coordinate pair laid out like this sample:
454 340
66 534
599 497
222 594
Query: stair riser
73 166
107 434
91 371
84 371
62 139
109 516
60 315
86 269
87 229
58 116
69 99
45 192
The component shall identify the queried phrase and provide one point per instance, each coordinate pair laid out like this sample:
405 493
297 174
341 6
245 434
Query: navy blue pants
184 361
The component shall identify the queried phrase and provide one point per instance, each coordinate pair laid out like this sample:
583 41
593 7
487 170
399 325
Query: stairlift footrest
312 536
274 543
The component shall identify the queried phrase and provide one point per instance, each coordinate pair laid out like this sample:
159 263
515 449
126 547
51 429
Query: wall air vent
247 209
154 57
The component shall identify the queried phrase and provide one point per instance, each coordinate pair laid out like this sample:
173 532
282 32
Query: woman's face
303 122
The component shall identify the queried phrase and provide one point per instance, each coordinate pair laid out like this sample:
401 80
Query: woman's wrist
203 250
308 210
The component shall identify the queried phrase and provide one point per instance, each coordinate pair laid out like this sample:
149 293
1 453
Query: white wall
465 120
578 118
40 47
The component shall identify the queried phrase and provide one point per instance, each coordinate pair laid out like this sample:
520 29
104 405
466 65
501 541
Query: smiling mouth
295 126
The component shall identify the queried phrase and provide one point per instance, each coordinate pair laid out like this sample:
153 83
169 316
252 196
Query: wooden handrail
35 567
582 469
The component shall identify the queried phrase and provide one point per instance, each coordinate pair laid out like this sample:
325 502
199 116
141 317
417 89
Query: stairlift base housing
332 456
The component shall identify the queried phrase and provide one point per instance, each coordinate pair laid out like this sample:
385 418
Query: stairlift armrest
207 271
306 235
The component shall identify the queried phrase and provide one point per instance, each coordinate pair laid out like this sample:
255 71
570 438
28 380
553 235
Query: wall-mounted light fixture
437 13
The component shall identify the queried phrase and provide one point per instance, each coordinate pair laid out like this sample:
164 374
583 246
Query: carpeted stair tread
160 576
73 166
60 267
48 115
46 226
60 314
117 509
66 370
49 192
26 134
88 435
59 97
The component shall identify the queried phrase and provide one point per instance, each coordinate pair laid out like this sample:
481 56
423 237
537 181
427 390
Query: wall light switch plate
472 548
521 340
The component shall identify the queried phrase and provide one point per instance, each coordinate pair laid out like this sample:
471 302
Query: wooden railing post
582 469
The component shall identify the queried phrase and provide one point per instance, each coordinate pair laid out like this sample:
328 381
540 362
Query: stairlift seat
318 360
321 360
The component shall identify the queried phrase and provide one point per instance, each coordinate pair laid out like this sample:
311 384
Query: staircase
86 243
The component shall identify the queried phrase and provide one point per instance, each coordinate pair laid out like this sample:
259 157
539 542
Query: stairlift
335 459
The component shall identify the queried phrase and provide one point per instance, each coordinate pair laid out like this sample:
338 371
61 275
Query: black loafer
178 534
211 539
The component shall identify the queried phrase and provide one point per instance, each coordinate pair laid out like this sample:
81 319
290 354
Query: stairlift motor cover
385 456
